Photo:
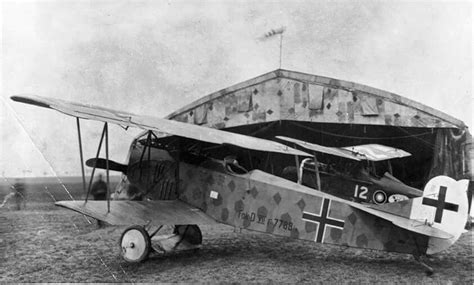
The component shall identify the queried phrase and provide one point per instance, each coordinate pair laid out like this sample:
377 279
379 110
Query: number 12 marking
361 192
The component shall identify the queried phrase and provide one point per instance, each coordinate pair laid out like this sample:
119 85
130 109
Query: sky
153 57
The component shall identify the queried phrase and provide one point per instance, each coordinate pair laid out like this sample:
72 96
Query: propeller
102 164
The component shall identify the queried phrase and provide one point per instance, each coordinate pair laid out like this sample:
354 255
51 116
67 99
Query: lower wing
163 212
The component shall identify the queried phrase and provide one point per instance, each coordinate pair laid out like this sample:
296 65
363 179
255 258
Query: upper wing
163 212
319 148
156 124
373 152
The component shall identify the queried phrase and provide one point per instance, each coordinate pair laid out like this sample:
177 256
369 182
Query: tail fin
444 205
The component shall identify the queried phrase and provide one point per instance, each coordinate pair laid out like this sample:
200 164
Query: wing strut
96 157
316 169
81 154
105 133
106 128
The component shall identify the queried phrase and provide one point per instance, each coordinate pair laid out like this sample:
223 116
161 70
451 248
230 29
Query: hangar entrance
434 151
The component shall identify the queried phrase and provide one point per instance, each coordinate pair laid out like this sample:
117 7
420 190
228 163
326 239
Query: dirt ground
45 243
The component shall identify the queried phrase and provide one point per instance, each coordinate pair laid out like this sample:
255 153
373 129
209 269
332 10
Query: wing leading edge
191 131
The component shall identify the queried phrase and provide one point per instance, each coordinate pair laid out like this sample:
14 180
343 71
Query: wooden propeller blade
102 164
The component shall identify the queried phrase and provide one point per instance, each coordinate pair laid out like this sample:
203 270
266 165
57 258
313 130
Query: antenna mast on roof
272 33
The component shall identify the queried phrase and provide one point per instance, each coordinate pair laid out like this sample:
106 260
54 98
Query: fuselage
260 201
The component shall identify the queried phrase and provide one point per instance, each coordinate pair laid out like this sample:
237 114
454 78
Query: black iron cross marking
323 220
440 204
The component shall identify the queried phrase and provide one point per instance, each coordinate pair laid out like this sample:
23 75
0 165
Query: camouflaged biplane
184 175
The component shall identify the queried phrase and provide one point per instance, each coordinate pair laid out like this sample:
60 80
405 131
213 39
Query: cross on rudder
444 207
440 204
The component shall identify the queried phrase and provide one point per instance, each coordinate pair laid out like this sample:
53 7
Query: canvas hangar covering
335 113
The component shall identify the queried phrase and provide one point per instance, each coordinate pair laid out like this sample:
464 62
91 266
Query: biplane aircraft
169 182
360 175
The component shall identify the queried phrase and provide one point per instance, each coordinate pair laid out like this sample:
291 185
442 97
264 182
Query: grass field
44 243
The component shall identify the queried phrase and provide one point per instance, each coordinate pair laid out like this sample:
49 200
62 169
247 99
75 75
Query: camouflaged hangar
333 112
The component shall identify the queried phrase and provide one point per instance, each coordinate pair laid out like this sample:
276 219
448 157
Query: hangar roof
290 95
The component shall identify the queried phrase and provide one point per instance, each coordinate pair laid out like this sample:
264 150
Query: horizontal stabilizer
102 164
125 212
400 208
391 185
405 223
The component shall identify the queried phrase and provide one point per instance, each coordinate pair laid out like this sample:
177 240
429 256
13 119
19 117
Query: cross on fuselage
440 204
323 220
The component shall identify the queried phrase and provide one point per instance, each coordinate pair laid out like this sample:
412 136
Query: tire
135 244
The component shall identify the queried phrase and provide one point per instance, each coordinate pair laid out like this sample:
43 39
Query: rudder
444 206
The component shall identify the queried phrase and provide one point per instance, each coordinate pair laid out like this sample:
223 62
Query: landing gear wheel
135 244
